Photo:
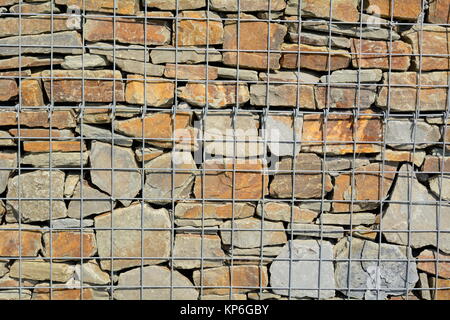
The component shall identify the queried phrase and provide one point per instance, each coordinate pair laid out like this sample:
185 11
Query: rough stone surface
40 270
280 211
427 261
188 55
343 10
283 95
402 10
404 134
7 160
305 274
127 7
195 32
213 210
100 204
155 92
316 231
69 244
345 96
19 241
438 11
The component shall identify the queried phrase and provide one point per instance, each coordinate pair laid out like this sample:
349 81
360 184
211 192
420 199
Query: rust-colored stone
27 239
158 92
27 62
314 58
439 11
127 7
68 294
443 266
68 244
250 181
342 10
8 89
40 133
443 293
236 276
220 94
127 31
213 210
194 32
350 187
345 96
32 95
341 132
369 54
402 10
61 119
253 36
433 164
62 146
10 26
190 72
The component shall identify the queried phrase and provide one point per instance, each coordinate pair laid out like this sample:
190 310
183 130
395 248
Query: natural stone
353 76
280 211
315 231
407 134
442 292
253 35
438 12
292 77
369 277
10 26
190 72
158 280
8 89
58 159
86 61
68 293
440 186
200 251
341 131
307 275
241 278
320 58
69 244
19 241
434 164
345 96
234 233
7 160
172 4
247 182
213 210
342 10
220 94
69 223
117 51
169 176
138 67
281 133
31 92
61 119
90 272
231 73
193 32
129 243
101 203
37 184
41 271
434 263
157 93
401 10
352 194
416 157
127 183
27 61
247 5
353 219
127 7
188 55
283 95
308 179
97 133
425 214
320 40
57 146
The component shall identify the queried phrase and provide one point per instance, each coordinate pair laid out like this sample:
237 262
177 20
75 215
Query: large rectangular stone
128 7
28 26
401 10
194 32
342 10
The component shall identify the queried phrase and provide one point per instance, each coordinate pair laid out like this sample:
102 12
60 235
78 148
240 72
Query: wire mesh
276 149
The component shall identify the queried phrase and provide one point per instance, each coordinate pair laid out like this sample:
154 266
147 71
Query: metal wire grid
263 113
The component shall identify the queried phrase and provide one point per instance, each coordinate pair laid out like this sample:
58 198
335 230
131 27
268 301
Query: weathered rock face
398 10
343 10
213 210
279 211
404 134
438 11
253 36
127 7
77 208
427 261
40 270
20 241
127 242
284 95
421 216
68 244
154 92
369 278
284 134
200 30
247 5
304 274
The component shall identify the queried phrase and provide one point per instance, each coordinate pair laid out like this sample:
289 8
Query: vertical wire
18 159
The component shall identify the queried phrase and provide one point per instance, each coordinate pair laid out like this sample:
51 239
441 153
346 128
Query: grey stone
88 61
307 275
345 96
353 76
213 210
90 272
69 223
104 135
373 274
280 211
294 77
58 159
320 39
158 177
154 276
334 165
267 251
40 270
198 222
425 293
440 186
94 202
318 206
200 251
4 267
247 5
188 55
132 52
402 133
280 135
7 160
282 95
172 4
198 230
230 73
128 242
246 233
6 140
127 183
138 67
345 219
70 183
68 42
315 231
423 214
36 184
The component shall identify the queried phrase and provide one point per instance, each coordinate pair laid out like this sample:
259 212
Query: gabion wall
224 149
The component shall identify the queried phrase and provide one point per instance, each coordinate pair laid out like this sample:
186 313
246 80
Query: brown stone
194 32
402 87
438 12
253 36
98 85
220 94
28 26
345 96
318 59
126 7
69 294
174 4
40 133
281 211
402 10
61 119
46 146
433 164
213 210
443 293
341 131
32 95
127 31
283 95
369 54
416 157
348 187
250 181
443 265
308 179
239 277
27 62
430 46
25 242
158 93
342 10
8 89
68 244
190 72
158 126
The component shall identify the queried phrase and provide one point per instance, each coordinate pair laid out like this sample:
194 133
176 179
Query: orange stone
27 61
8 89
66 294
158 126
194 32
249 181
369 54
158 92
190 72
433 165
443 265
342 10
127 31
340 133
40 133
402 10
220 94
318 59
253 36
443 292
350 187
126 7
61 119
54 146
29 26
438 12
67 244
213 210
250 276
27 239
32 95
